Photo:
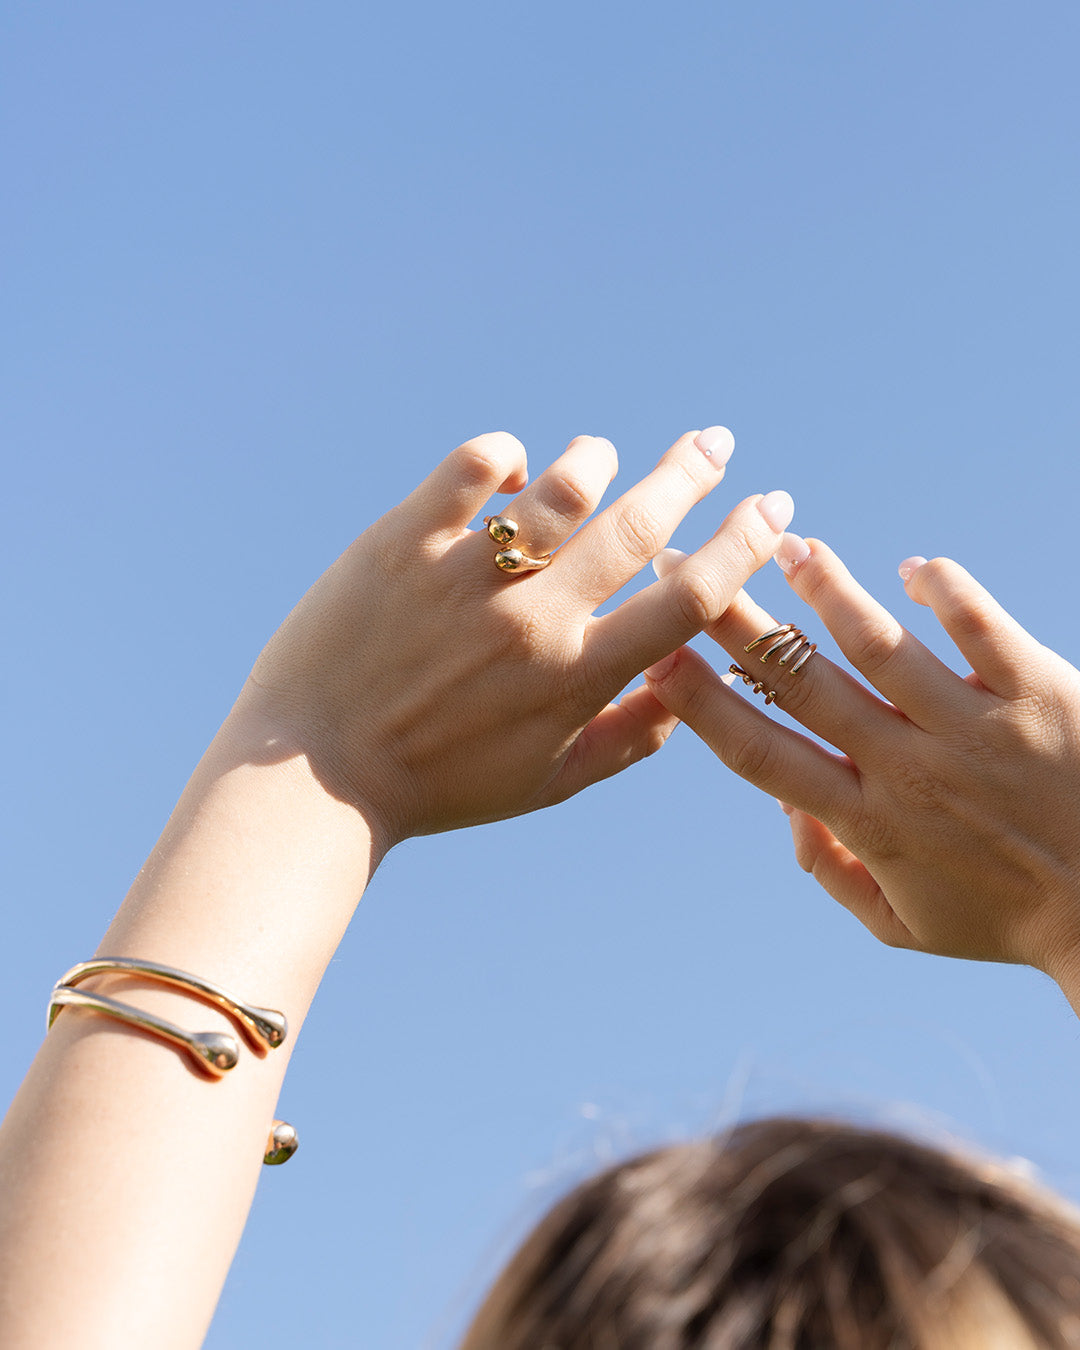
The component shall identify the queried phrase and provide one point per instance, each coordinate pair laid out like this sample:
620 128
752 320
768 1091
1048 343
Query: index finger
616 545
669 612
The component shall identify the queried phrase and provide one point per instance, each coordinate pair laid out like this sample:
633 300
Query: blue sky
265 263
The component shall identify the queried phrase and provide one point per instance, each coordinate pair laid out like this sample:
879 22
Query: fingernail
792 553
716 444
778 510
909 567
604 441
729 679
787 810
667 560
663 668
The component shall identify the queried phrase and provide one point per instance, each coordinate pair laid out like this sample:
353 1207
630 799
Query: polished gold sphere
281 1144
501 528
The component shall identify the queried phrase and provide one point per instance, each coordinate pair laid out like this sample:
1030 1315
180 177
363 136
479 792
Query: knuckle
639 532
479 462
745 551
875 645
754 758
696 598
570 495
691 473
968 620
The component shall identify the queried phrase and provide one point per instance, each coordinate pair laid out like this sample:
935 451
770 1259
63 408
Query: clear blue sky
266 263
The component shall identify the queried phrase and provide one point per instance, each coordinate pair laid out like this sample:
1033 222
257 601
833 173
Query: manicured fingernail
792 553
778 510
667 560
604 441
729 679
787 810
909 567
716 444
663 668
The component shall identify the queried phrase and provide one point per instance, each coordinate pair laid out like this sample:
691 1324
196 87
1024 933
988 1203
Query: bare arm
414 689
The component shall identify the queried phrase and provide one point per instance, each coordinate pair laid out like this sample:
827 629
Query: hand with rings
440 675
950 822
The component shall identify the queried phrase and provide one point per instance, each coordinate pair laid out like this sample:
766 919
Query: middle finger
615 546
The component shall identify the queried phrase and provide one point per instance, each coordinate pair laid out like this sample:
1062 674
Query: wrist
264 730
256 874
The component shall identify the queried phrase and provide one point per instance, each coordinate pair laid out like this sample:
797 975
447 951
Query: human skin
389 704
948 822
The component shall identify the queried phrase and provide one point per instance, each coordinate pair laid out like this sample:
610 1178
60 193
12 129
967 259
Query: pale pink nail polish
792 553
667 560
909 567
716 444
778 508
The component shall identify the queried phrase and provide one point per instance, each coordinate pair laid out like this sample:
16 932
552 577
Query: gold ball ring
504 531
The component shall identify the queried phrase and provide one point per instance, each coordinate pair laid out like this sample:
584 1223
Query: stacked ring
788 644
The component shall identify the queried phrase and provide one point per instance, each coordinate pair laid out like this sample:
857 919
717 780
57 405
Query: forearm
125 1176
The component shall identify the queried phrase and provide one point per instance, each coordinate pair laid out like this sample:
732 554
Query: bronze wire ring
215 1052
789 644
510 560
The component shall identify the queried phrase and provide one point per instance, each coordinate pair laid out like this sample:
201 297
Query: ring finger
821 696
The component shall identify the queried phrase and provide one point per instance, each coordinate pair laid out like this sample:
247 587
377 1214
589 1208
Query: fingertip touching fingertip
667 560
910 566
777 510
716 444
792 552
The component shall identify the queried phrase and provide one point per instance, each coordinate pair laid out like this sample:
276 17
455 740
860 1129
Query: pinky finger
1003 655
837 870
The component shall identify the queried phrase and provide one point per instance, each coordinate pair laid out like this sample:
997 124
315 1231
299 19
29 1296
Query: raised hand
432 690
951 821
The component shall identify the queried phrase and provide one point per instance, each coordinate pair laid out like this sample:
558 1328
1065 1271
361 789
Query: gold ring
758 685
787 644
504 531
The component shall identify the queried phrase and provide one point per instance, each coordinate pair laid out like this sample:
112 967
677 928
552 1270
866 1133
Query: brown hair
793 1235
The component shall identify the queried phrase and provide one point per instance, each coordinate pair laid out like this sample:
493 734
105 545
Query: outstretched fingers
837 870
1004 656
895 662
671 611
614 547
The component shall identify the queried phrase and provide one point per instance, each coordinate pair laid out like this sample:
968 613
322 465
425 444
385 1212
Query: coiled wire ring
788 644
